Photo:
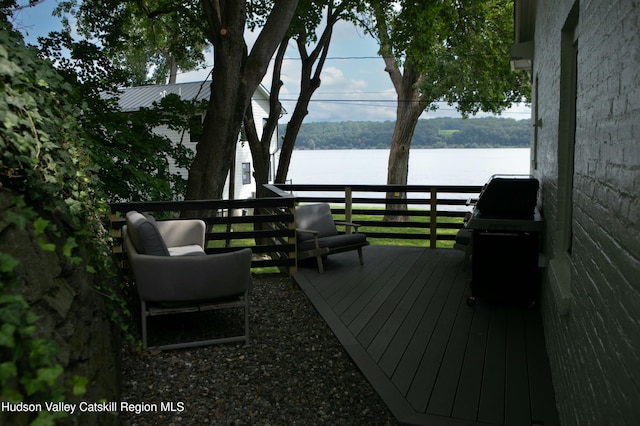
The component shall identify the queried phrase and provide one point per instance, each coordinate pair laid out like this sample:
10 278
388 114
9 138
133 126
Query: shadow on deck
403 319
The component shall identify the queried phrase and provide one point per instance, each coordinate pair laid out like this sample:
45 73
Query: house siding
132 99
593 333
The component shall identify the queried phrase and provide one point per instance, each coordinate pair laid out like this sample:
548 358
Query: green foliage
154 35
130 158
433 133
43 160
28 371
477 75
459 48
40 153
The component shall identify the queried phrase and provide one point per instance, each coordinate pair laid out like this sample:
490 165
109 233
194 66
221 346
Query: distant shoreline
485 132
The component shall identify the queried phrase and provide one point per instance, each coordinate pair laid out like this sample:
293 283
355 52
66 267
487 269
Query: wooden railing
271 222
434 212
267 225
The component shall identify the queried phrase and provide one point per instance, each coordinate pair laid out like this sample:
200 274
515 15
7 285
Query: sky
354 85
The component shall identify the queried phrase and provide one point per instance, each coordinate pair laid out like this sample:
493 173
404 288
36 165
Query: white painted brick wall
594 350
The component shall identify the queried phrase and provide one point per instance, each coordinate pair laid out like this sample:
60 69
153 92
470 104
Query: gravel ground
294 371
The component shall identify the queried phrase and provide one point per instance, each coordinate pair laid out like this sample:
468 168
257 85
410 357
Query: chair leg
320 267
360 256
246 318
143 319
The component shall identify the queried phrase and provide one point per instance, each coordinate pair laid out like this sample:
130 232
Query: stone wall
72 313
591 202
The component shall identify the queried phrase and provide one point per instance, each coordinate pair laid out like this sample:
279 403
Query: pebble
295 372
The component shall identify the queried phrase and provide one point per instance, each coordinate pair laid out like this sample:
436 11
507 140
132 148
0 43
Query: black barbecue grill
506 229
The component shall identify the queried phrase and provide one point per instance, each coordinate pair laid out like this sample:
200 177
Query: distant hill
485 132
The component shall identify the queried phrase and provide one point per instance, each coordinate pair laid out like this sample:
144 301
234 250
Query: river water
426 166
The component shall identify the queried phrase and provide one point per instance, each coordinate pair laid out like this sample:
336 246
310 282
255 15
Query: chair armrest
182 232
313 233
353 225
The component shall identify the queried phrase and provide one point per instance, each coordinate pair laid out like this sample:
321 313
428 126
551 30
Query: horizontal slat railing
267 225
434 212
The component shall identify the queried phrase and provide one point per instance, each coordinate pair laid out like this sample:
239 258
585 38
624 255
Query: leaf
79 385
7 262
20 220
49 375
8 370
12 307
42 351
47 418
39 225
7 332
45 378
44 245
67 250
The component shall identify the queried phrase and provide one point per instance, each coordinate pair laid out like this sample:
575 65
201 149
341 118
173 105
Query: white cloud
334 79
354 85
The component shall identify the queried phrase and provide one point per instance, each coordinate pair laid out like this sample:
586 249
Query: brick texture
594 349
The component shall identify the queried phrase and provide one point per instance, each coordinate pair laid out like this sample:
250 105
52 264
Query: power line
385 104
338 58
332 58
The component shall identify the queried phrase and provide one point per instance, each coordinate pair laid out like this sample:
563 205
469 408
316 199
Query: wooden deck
403 319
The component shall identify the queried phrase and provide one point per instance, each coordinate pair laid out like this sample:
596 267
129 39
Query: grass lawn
247 242
356 218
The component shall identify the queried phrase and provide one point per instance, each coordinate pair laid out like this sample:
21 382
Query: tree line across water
486 132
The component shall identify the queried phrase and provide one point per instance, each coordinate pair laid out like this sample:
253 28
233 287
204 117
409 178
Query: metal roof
134 98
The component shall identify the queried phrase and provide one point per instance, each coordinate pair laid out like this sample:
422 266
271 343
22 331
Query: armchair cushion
190 250
316 217
335 242
145 235
184 279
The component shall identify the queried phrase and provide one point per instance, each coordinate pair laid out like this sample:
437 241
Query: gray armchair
173 274
317 235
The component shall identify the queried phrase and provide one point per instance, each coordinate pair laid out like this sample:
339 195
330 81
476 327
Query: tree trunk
289 139
309 83
261 145
216 149
236 76
408 112
173 70
410 106
259 152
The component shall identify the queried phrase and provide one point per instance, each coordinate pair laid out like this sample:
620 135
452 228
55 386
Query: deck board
470 380
377 333
491 403
403 319
446 385
372 302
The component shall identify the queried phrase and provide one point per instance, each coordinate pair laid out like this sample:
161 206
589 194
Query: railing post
348 208
294 254
433 217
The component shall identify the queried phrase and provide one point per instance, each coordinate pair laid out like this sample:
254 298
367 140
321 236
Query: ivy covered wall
58 341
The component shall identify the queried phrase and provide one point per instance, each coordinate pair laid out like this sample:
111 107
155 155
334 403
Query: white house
134 98
584 60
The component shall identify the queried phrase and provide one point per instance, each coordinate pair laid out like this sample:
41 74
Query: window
567 128
560 264
195 128
537 123
246 173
